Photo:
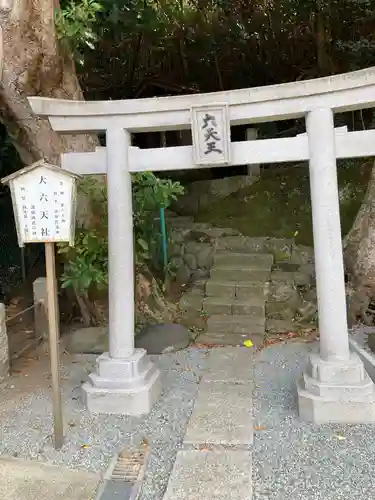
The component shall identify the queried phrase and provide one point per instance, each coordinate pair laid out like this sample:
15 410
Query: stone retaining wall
200 194
191 253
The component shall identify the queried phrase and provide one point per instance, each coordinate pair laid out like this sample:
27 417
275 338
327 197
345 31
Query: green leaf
142 243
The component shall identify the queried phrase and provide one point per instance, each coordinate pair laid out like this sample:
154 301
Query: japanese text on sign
44 205
211 135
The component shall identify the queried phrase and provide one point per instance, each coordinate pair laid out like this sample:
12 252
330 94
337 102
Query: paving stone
219 323
229 365
230 274
222 288
240 289
32 480
240 263
225 305
216 475
231 339
231 243
217 305
222 415
241 260
250 289
251 306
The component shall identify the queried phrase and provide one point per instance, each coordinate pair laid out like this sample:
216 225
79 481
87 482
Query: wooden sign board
44 200
210 128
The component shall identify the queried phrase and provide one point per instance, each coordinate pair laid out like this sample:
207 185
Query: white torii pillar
126 381
335 386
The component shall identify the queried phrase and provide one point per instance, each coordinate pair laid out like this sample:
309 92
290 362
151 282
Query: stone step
224 305
220 323
239 289
229 274
243 260
281 248
230 339
248 289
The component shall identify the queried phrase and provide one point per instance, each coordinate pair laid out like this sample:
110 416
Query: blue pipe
163 237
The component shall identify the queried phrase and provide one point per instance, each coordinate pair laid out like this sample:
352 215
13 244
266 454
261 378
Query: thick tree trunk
33 64
359 248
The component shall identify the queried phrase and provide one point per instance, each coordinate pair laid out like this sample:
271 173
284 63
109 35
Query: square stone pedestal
128 386
336 391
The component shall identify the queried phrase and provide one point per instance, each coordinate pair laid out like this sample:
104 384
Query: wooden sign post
44 200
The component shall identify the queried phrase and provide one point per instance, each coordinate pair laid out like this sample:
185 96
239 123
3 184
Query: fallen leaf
84 446
271 341
145 442
259 428
204 447
339 437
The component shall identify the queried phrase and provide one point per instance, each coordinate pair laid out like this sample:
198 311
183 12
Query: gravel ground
295 460
291 459
92 441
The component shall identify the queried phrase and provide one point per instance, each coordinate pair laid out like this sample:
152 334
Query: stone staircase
235 297
253 289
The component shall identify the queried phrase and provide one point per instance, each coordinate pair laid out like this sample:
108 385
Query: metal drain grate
124 476
129 467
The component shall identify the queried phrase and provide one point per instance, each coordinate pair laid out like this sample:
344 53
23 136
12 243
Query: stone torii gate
335 386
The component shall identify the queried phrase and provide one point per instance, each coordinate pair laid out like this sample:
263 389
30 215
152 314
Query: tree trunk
32 64
359 246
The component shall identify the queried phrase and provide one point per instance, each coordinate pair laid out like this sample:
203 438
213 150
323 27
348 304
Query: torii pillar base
336 391
128 386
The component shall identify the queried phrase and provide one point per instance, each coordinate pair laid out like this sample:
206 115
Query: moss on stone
281 256
278 205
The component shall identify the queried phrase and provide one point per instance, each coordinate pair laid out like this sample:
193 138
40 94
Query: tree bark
33 64
359 248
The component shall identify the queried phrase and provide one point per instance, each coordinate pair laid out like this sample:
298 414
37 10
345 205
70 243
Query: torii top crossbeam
344 92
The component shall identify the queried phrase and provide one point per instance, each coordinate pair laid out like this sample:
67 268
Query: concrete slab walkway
24 480
215 462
